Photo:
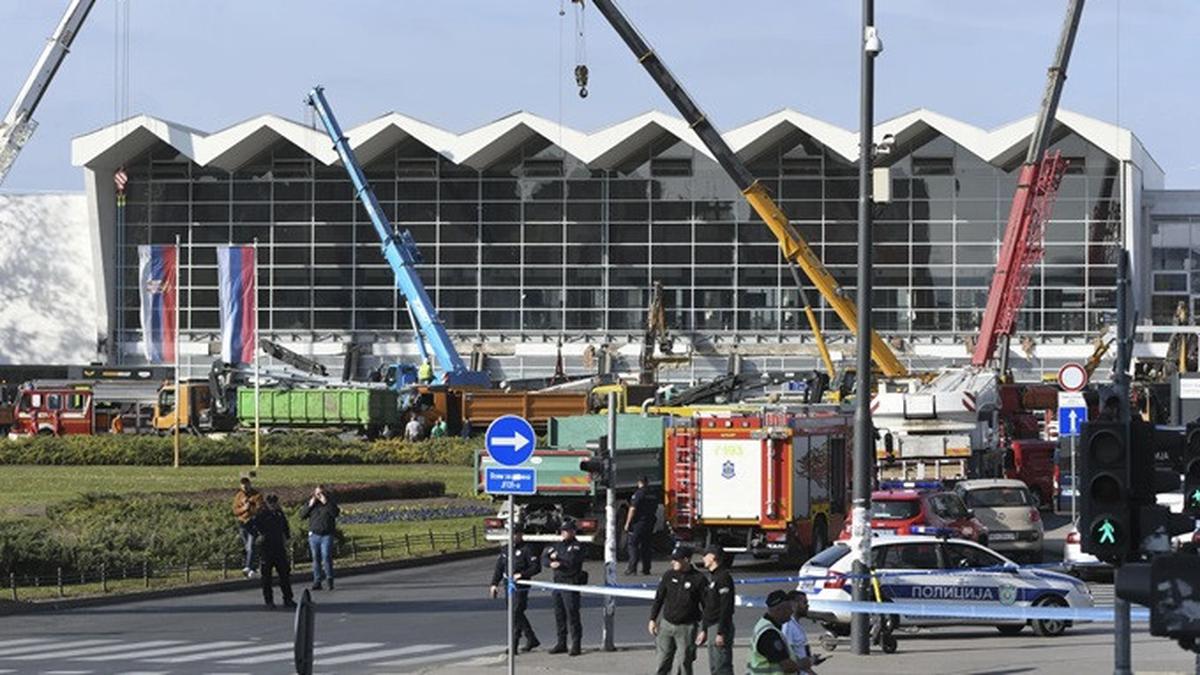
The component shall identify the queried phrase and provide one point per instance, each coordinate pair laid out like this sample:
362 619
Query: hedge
236 449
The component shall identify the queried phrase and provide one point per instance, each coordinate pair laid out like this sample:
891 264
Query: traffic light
599 464
1167 586
1191 471
1105 522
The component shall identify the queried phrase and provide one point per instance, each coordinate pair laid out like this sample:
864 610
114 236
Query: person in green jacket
439 429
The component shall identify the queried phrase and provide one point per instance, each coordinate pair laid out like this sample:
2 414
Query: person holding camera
322 512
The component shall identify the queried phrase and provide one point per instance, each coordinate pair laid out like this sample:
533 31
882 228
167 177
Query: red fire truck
58 411
771 484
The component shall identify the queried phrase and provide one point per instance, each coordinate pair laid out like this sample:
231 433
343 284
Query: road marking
241 651
4 654
459 655
22 641
148 653
89 651
66 672
290 654
379 654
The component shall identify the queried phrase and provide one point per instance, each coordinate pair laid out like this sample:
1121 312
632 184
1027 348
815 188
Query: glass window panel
544 211
671 255
585 211
501 276
585 320
506 320
588 277
585 189
627 189
628 255
540 276
458 255
500 212
585 255
543 233
975 255
457 276
629 275
629 211
467 212
501 255
458 190
760 255
758 276
669 211
713 276
500 233
680 277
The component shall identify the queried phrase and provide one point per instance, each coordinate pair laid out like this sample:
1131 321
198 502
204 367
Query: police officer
769 650
719 602
639 526
525 566
271 525
566 559
679 597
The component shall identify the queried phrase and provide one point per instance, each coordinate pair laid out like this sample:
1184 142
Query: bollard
103 579
353 550
187 571
474 536
225 566
12 582
60 583
407 545
432 541
457 543
146 572
381 547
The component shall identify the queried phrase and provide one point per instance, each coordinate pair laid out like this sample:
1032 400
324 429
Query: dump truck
771 484
564 491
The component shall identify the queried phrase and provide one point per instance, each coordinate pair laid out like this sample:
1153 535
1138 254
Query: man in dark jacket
525 566
639 526
679 597
719 601
271 525
566 559
321 512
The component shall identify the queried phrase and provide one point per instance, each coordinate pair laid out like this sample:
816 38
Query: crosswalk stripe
22 641
89 651
461 654
6 653
241 651
290 654
147 653
379 654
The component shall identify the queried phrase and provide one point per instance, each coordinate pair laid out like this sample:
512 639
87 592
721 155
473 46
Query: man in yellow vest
425 372
769 650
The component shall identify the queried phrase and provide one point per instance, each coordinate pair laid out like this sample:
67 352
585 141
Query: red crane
1037 187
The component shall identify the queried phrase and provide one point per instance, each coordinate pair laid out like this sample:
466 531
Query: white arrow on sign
1074 421
516 441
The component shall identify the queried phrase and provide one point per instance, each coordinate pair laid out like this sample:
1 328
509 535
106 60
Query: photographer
321 512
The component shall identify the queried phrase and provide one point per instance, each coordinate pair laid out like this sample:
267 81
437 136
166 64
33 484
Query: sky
459 64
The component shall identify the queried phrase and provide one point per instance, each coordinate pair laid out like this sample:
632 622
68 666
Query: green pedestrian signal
1107 532
1195 497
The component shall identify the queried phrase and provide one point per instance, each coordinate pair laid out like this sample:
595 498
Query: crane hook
581 79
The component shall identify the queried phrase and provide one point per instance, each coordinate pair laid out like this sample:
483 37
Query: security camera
872 43
885 145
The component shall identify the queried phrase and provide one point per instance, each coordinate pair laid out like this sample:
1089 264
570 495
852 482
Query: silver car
1010 513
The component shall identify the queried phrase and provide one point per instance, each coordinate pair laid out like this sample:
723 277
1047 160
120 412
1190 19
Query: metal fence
350 551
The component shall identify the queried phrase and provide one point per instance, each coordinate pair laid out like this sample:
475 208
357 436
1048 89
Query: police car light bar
932 531
910 485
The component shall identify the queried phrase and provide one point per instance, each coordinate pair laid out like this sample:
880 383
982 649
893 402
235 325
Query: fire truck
60 411
771 484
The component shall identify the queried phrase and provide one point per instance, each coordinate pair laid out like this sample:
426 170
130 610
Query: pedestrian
525 566
425 372
769 651
246 503
466 430
439 429
272 526
680 597
414 430
796 636
322 512
566 559
639 526
719 600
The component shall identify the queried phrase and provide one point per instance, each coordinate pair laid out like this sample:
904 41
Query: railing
149 574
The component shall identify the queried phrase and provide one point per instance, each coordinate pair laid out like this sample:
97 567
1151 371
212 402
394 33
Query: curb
9 608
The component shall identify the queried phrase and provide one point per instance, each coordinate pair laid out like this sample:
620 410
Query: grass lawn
28 489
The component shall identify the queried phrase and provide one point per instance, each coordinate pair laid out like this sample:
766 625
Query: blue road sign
1070 420
507 480
510 440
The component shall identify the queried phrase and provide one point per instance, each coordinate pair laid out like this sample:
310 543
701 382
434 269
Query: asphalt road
439 619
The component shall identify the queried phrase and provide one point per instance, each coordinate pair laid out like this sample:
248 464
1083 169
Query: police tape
902 609
883 574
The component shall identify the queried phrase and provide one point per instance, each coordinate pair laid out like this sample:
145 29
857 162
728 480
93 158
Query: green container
634 432
324 407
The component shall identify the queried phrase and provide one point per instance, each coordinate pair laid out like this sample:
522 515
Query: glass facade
1175 265
539 243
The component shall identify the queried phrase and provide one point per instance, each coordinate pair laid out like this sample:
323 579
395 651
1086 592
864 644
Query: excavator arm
795 249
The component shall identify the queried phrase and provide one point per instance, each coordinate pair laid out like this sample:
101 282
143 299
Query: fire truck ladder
687 488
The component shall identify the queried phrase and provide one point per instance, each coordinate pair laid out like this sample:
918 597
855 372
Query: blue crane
402 254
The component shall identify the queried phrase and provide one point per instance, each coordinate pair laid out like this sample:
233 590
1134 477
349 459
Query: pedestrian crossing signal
1107 510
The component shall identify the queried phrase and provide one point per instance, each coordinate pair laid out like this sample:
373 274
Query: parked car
953 572
1010 513
900 511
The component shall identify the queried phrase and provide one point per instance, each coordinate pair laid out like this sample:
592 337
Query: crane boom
18 125
1037 187
402 254
795 248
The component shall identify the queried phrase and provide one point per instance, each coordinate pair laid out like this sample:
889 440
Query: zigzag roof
606 148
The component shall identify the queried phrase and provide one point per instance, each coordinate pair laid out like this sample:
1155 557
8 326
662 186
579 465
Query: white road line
290 653
241 651
22 641
66 672
145 672
149 653
6 653
379 654
90 651
459 655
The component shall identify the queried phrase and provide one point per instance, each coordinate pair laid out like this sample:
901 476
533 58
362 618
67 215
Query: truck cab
192 407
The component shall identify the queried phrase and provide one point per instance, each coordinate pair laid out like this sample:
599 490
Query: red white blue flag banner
239 305
158 273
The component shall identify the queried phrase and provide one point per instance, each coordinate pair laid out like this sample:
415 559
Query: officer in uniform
769 650
566 559
525 566
271 524
639 526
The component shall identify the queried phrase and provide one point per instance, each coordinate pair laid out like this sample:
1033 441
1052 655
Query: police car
935 570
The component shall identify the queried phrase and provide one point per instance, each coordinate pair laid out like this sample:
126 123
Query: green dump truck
566 492
369 411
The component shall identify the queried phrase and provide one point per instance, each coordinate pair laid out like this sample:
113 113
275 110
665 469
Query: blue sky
463 63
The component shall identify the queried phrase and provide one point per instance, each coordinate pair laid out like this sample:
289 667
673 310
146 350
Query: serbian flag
239 305
158 272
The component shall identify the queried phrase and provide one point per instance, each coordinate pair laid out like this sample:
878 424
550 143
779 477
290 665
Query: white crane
18 124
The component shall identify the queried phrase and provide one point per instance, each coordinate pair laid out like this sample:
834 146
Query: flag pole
257 401
178 395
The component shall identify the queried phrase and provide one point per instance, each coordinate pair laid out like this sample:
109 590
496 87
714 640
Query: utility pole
864 436
1122 662
610 526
